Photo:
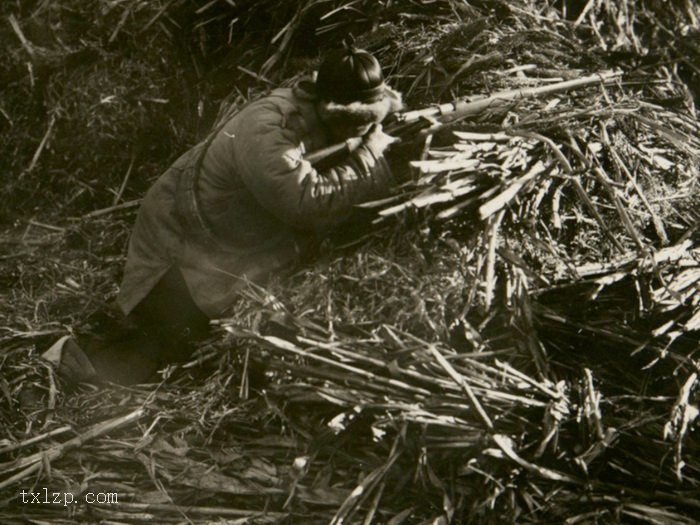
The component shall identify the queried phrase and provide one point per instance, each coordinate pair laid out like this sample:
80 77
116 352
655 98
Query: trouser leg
162 329
169 315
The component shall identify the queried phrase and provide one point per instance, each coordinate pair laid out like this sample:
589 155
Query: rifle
409 122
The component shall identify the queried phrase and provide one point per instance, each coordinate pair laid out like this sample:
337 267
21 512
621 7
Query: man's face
343 127
343 130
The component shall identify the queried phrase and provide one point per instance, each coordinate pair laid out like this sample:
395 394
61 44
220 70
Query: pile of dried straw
514 340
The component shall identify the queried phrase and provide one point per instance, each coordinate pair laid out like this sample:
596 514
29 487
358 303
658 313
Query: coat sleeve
269 156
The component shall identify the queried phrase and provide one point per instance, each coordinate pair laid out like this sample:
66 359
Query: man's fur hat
361 113
350 86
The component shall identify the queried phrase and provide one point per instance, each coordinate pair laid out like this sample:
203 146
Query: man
237 207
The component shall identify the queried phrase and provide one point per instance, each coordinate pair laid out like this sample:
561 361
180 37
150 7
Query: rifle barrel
465 108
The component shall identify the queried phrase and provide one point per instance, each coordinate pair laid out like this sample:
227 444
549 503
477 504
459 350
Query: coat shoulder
289 108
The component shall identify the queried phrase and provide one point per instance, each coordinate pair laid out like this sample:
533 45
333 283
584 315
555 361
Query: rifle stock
461 109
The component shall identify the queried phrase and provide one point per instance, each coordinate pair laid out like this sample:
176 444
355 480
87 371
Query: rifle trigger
430 119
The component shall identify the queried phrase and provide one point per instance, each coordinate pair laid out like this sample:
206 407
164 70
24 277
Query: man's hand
378 141
375 140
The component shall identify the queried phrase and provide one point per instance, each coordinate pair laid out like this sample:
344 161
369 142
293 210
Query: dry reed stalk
40 460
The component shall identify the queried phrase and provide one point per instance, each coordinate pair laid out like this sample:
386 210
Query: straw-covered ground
512 337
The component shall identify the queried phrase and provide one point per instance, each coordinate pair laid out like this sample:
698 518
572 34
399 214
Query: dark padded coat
243 203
